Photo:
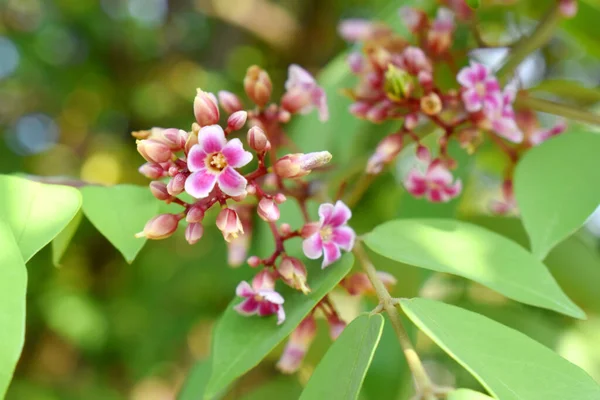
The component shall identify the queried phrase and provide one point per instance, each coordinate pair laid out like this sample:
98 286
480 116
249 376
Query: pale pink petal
247 307
439 174
355 29
271 296
339 216
235 154
231 182
291 358
244 289
298 76
508 129
331 254
200 183
344 237
466 77
415 183
211 138
454 190
472 100
325 212
320 101
313 246
196 158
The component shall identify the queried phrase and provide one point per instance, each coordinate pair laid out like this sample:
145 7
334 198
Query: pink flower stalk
212 161
303 94
332 234
297 345
436 184
541 135
481 89
260 298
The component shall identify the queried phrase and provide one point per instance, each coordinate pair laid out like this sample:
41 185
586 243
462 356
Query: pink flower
260 298
480 88
213 160
355 29
297 345
303 94
541 135
332 234
436 184
502 117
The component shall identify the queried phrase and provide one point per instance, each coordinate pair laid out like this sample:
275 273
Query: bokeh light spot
9 57
101 168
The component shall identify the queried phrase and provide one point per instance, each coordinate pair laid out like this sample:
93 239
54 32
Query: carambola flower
436 184
260 298
481 89
303 94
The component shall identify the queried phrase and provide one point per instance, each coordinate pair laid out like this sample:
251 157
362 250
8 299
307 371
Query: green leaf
508 364
119 212
62 240
240 343
341 372
36 212
13 285
195 383
569 89
556 188
475 253
467 394
280 388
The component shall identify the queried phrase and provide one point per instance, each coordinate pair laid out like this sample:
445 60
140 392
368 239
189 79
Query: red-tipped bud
160 227
280 198
175 138
385 152
423 153
193 232
177 184
152 170
237 120
154 151
310 229
206 109
230 102
298 165
195 214
411 121
229 224
254 261
268 210
257 140
257 85
294 273
159 190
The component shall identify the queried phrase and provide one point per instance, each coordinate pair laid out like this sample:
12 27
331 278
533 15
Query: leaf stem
555 108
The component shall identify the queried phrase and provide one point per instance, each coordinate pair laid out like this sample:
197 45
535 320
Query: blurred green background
77 76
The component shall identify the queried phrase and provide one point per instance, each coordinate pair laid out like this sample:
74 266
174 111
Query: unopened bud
206 109
284 116
195 214
230 102
152 170
309 229
294 273
254 261
267 210
175 138
159 190
423 153
193 232
298 165
257 140
177 184
285 229
257 85
385 152
567 8
191 140
229 224
411 121
160 227
398 83
280 198
431 104
237 120
154 151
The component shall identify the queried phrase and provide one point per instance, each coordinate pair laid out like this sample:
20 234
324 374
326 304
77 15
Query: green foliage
119 212
195 383
341 372
555 188
509 364
466 394
63 239
472 252
240 343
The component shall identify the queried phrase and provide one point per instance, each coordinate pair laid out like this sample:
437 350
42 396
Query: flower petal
211 138
280 315
313 246
325 212
265 308
439 174
415 183
196 158
298 76
271 296
232 182
247 307
340 215
235 154
244 289
332 254
200 183
472 100
344 237
454 190
291 358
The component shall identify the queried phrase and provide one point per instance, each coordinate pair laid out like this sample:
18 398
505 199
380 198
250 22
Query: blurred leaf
195 383
508 364
568 89
475 253
280 388
341 372
555 188
62 240
36 212
240 343
13 285
119 212
467 394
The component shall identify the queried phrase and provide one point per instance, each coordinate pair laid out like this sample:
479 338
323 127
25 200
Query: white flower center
326 232
480 88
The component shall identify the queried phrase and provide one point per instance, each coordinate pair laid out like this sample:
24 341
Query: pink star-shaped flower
212 161
481 89
436 184
260 298
332 234
502 117
302 83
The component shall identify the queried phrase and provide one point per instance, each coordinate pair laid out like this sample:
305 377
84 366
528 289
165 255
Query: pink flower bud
298 345
411 121
336 326
264 280
280 198
237 120
356 62
385 152
268 210
191 140
284 116
175 138
254 261
310 229
229 224
177 184
257 85
285 229
159 190
567 8
151 170
154 151
294 273
423 153
257 140
230 102
295 100
251 189
160 227
193 232
195 214
206 109
298 165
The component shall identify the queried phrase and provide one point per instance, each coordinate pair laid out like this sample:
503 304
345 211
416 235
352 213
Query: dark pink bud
159 190
160 227
257 140
177 184
237 120
230 102
360 109
152 170
294 273
195 214
423 153
229 224
257 85
206 109
254 261
175 138
154 151
298 165
268 210
567 8
193 232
